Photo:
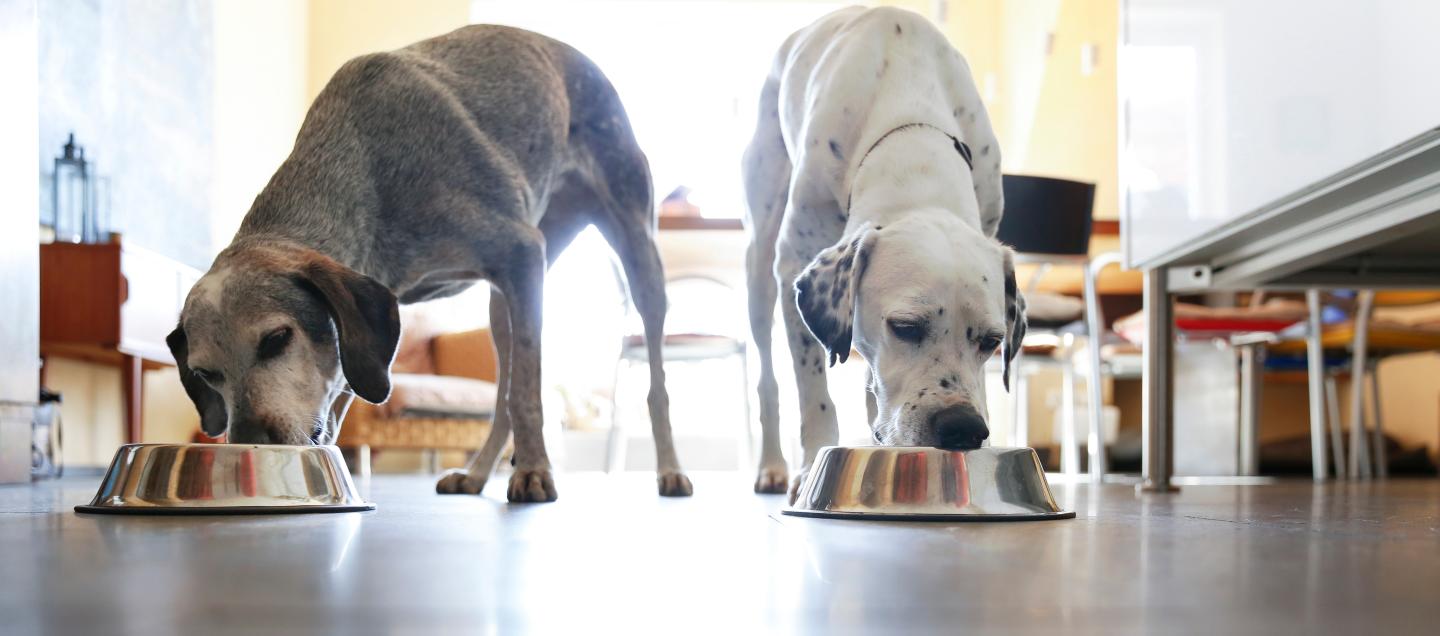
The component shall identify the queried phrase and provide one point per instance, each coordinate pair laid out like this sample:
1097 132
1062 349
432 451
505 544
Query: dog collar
960 147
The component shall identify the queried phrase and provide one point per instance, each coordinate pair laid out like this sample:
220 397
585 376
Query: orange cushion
468 354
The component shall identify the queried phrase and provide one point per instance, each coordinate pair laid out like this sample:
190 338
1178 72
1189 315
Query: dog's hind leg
759 273
767 184
627 229
647 290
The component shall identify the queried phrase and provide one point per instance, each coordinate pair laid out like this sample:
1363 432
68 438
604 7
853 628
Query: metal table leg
1251 378
1315 355
1337 442
1158 383
1382 460
1359 451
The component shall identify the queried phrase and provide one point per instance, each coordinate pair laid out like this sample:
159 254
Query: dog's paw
531 486
674 484
795 486
772 480
458 482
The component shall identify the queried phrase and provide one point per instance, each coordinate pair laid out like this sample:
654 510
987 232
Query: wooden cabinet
112 304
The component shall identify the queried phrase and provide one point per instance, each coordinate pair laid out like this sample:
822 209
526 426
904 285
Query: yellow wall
1075 129
343 29
1052 118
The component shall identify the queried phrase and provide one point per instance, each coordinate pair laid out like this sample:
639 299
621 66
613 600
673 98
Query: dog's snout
959 426
254 432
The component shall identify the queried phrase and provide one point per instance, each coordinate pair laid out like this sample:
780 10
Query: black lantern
75 209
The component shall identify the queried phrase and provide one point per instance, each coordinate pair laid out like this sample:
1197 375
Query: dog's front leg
471 479
523 283
819 427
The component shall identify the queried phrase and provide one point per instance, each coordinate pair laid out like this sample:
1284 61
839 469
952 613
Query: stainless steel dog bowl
905 483
226 479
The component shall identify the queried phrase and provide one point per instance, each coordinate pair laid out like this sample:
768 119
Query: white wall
261 74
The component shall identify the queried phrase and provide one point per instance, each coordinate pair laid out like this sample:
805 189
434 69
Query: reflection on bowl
926 484
226 479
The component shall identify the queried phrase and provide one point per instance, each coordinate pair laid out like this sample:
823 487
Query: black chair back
1047 216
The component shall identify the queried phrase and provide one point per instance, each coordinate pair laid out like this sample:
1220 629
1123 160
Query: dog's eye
212 378
989 343
907 331
274 343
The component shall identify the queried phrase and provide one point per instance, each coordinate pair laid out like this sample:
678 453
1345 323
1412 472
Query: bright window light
689 84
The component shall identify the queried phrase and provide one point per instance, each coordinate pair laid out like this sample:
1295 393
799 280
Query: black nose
250 433
959 427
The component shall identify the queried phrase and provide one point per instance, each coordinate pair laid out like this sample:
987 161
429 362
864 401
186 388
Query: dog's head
927 301
270 337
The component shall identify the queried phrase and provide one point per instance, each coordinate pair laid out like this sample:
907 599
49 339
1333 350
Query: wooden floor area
612 557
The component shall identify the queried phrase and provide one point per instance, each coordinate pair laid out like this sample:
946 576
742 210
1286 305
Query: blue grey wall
134 81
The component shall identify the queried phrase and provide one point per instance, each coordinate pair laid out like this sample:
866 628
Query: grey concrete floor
612 557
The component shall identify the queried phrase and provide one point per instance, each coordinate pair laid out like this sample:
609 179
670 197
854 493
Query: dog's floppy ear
825 292
1014 317
367 319
211 406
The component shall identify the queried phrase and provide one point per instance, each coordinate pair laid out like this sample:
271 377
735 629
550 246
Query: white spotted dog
874 191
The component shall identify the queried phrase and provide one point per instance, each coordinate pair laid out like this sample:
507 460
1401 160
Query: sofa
442 397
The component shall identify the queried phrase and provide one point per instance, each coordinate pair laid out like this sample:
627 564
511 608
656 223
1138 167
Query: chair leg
1315 356
1019 417
1359 453
1069 436
1382 460
1094 323
1337 441
615 442
1022 403
747 456
362 456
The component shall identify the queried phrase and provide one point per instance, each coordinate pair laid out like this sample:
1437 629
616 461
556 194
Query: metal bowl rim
908 516
92 509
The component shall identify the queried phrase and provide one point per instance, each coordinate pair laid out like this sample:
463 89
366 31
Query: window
689 84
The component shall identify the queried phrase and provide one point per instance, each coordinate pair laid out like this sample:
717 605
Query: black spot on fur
964 151
840 216
835 150
969 333
985 150
898 30
944 383
822 406
940 311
